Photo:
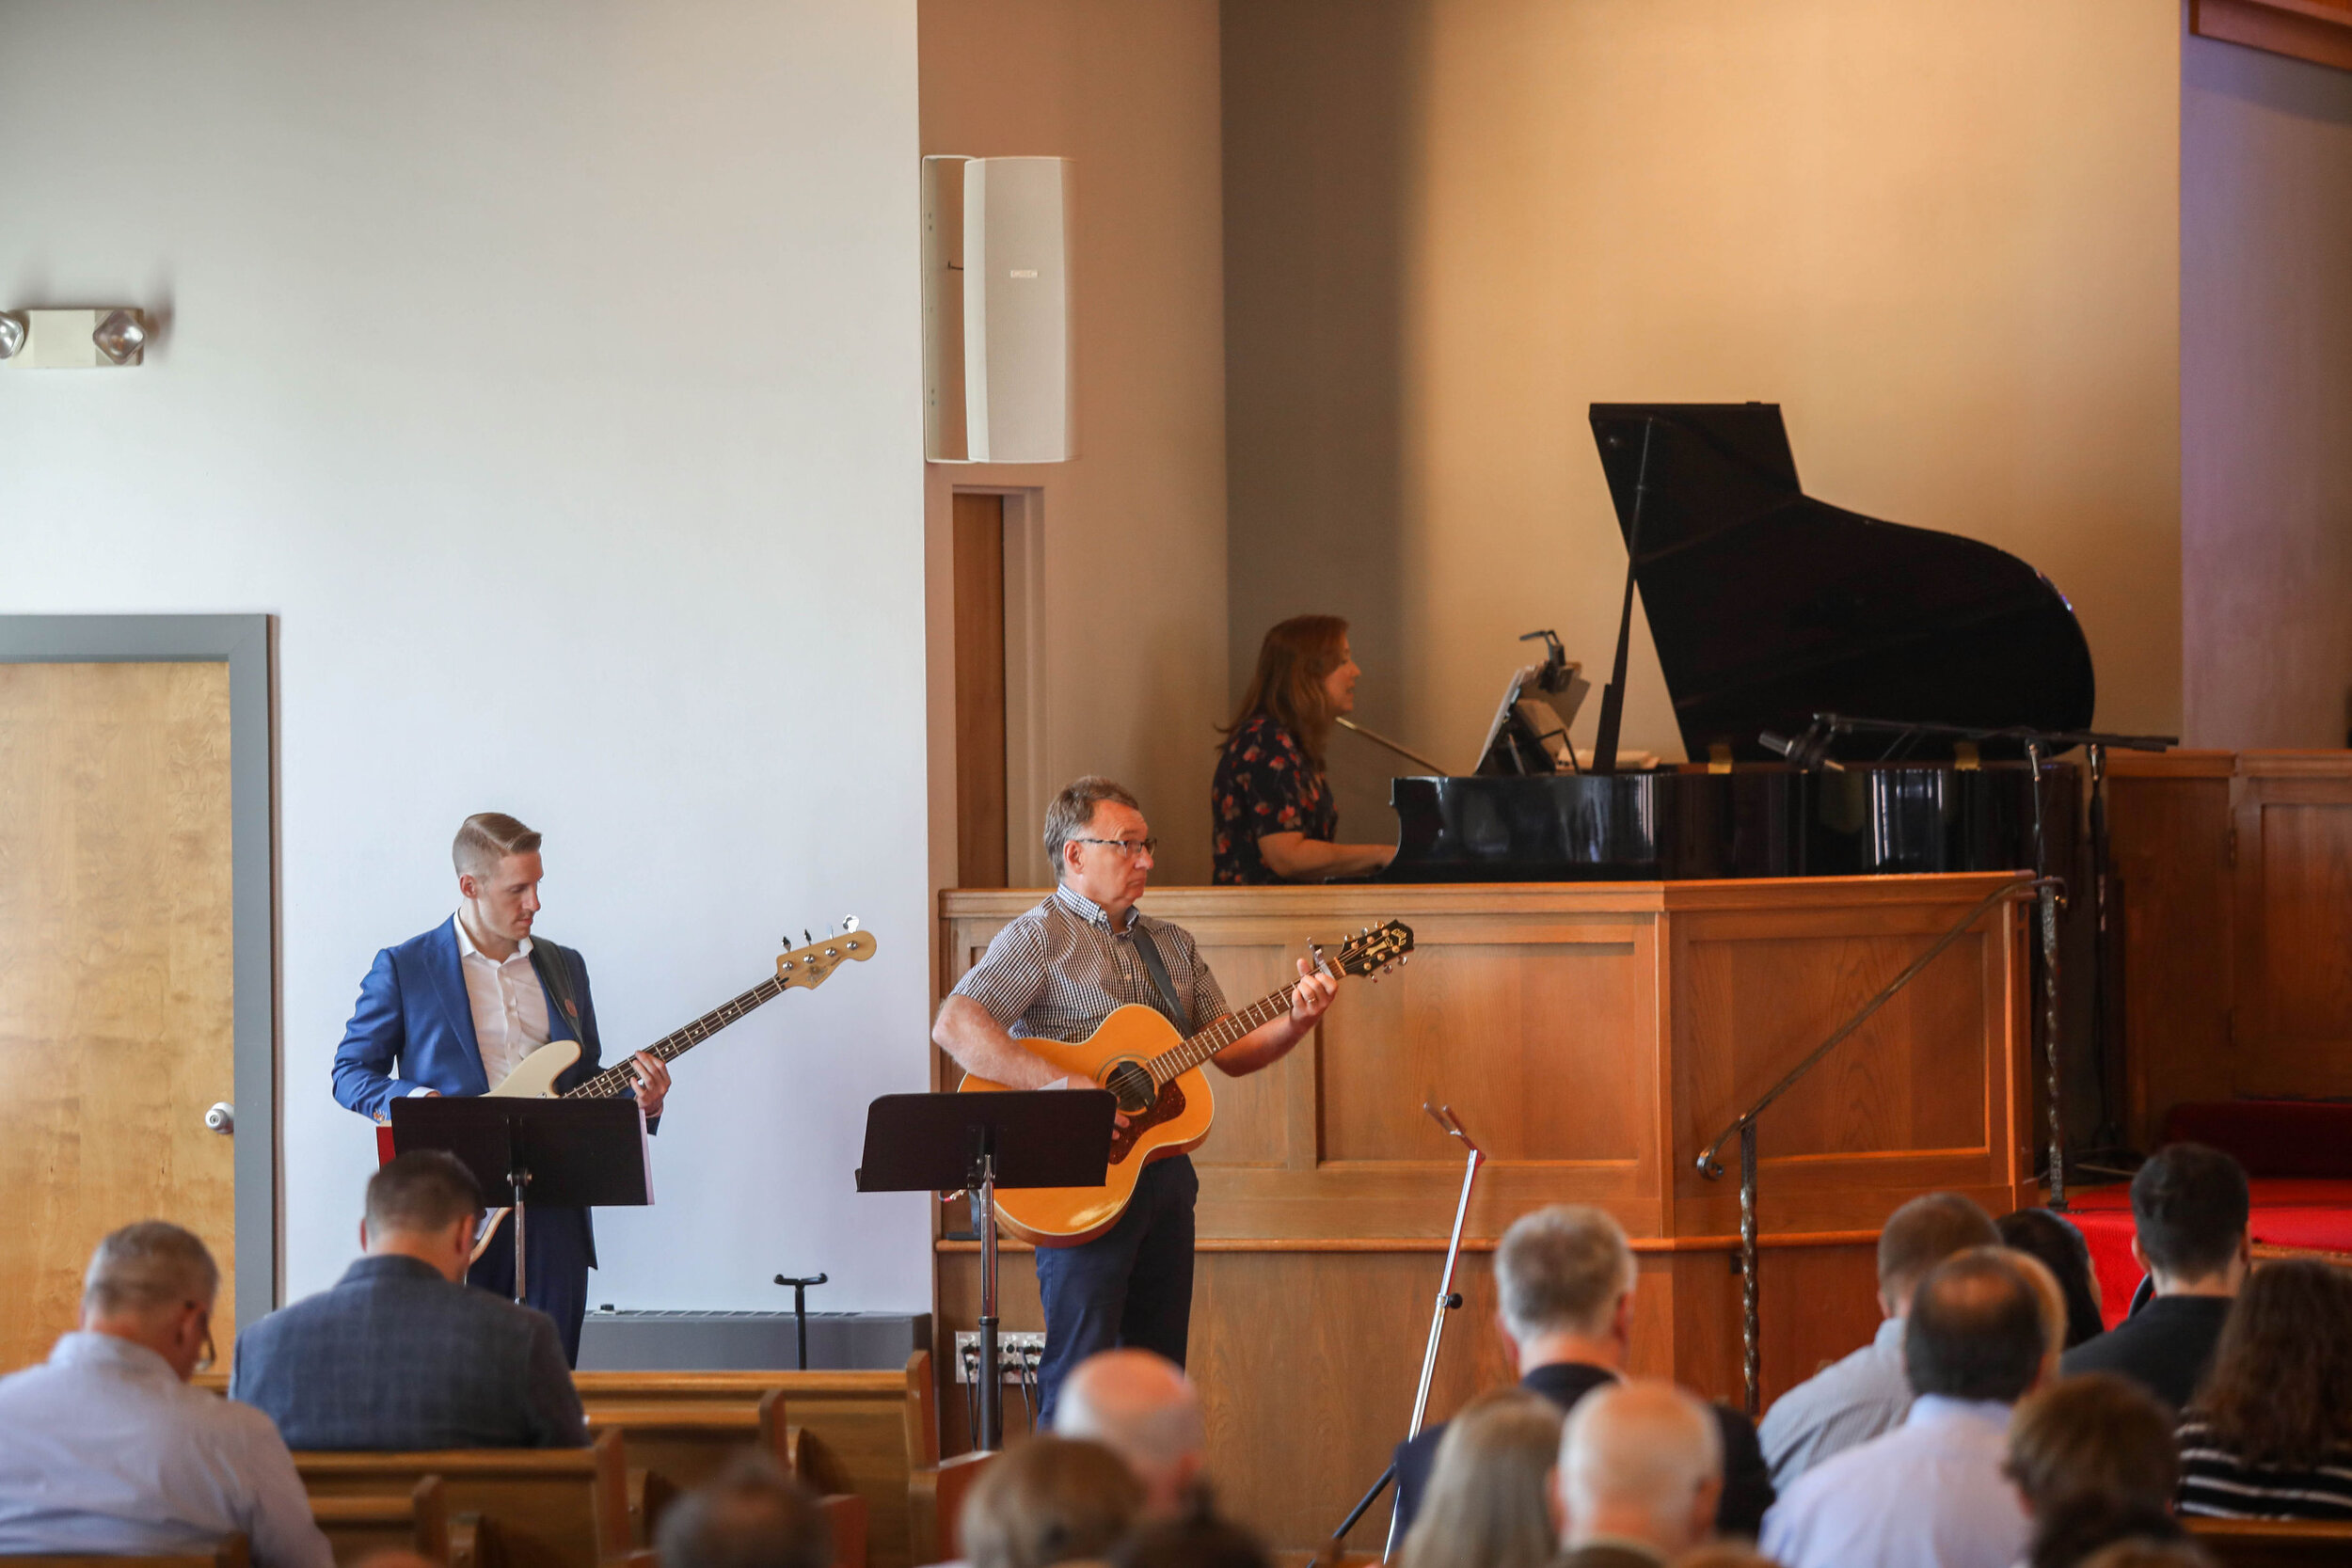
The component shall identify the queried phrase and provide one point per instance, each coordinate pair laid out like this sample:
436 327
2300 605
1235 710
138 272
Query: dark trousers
555 1263
1130 1286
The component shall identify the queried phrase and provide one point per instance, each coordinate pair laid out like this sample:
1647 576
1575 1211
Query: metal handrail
1744 1125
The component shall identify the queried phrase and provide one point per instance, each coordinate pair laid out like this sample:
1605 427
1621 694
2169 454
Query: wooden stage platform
1593 1037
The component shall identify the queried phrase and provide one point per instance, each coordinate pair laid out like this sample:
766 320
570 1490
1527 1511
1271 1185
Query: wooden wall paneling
2169 824
116 1021
980 632
1817 1303
2319 31
2294 884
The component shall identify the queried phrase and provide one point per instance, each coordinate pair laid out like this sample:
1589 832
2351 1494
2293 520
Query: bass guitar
1162 1092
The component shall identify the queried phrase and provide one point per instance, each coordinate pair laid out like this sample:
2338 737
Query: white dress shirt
1928 1495
510 1006
103 1450
1837 1407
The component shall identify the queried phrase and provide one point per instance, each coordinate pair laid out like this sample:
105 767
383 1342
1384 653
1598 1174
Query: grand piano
1768 608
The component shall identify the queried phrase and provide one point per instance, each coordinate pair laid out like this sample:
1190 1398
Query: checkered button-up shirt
1057 971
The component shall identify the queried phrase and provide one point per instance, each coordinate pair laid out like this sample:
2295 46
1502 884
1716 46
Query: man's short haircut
1561 1268
2189 1206
1925 1231
1975 1330
422 1191
2093 1433
1045 1500
753 1515
486 838
1196 1539
1073 808
147 1267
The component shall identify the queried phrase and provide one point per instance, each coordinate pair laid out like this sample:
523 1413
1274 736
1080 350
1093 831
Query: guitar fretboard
1179 1059
616 1080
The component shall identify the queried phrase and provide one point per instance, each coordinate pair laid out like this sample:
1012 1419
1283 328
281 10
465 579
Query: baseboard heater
612 1341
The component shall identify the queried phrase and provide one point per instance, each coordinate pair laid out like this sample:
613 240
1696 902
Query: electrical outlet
1015 1350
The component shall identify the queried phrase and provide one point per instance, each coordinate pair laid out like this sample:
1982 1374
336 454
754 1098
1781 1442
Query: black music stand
580 1153
938 1143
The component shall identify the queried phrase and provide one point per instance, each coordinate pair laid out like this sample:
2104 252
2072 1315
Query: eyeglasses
1128 846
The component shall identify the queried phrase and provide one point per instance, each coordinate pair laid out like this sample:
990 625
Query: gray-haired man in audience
1868 1393
105 1450
753 1516
1143 1408
1641 1471
402 1354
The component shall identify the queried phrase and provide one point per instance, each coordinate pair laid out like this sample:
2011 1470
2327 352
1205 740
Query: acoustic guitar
1162 1092
533 1078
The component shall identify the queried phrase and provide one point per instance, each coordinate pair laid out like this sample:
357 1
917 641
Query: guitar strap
1149 952
557 977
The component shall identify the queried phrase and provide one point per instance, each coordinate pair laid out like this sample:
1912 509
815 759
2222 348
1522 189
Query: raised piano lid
1768 606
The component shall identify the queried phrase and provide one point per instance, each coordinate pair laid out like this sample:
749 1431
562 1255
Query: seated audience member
2053 1238
2050 1298
1490 1499
2144 1553
2093 1459
1724 1554
1932 1493
1048 1500
1142 1408
2269 1434
1564 1285
105 1450
2188 1223
1641 1470
402 1354
1856 1398
1199 1539
753 1515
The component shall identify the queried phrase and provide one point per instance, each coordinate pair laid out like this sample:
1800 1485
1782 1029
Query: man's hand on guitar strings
653 1082
1315 989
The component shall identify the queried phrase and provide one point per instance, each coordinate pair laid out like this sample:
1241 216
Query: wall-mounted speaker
997 367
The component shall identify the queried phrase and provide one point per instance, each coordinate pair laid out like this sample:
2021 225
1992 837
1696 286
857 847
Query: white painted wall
552 371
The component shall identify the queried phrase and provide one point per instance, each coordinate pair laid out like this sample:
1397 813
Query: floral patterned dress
1264 784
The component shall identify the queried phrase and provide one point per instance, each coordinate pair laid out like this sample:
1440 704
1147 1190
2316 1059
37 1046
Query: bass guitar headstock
815 960
1377 950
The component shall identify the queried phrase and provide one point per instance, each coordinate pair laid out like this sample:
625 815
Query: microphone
1810 750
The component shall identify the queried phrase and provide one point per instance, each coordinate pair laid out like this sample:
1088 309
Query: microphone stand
2049 890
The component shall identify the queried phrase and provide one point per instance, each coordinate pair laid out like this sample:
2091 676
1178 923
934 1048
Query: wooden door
115 979
2292 1030
979 568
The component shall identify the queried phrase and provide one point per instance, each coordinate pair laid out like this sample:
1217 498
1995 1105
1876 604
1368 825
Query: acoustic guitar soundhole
1131 1083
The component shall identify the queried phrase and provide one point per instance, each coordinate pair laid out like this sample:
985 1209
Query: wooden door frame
1026 789
245 644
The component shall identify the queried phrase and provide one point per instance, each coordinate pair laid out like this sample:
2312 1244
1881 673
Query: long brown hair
1487 1505
1287 685
2280 1391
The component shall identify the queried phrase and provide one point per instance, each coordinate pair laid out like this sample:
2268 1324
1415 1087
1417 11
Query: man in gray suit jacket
402 1354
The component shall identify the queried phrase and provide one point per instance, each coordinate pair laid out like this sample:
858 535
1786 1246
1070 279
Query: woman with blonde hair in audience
2269 1433
1489 1503
1047 1500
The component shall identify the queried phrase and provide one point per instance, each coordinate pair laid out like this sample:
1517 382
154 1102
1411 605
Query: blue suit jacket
396 1357
413 1015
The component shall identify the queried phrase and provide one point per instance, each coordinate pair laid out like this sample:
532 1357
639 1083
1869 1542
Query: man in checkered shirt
1056 973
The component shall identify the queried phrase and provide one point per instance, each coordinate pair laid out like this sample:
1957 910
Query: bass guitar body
1173 1122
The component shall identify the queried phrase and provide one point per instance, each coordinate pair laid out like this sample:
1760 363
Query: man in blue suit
458 1008
400 1355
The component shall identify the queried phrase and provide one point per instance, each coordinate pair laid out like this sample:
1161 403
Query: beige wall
1132 641
1943 236
2266 398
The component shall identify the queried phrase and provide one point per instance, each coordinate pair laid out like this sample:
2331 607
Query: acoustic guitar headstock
815 960
1377 950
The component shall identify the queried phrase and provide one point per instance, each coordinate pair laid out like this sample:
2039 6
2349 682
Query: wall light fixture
101 339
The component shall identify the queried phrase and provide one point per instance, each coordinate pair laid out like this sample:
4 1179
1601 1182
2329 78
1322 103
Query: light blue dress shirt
104 1451
1928 1495
1839 1406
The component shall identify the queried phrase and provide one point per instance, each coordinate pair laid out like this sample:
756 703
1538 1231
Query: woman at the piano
1275 818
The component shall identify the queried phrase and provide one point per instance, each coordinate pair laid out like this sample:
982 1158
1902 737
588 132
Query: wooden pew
675 1445
358 1527
540 1508
2272 1542
936 1496
846 1512
841 1432
234 1551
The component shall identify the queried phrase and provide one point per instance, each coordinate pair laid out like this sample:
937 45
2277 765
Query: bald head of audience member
1640 1462
1563 1288
1921 1234
1976 1330
153 1284
1144 1409
753 1516
424 1205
